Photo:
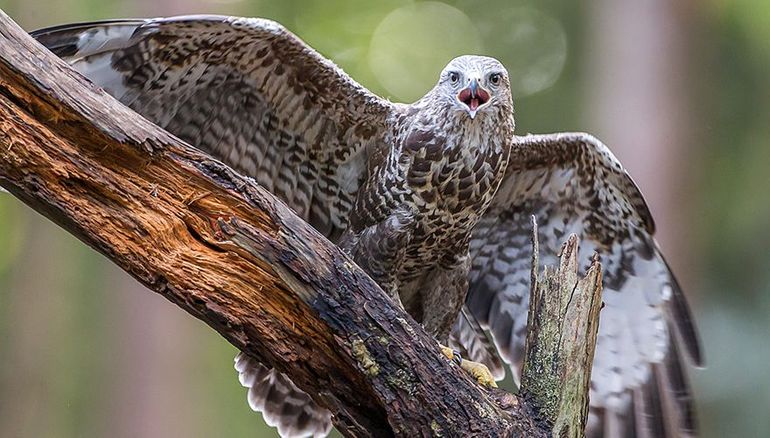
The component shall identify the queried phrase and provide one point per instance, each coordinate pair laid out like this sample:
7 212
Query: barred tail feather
472 342
282 404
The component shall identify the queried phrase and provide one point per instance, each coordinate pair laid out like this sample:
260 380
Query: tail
282 404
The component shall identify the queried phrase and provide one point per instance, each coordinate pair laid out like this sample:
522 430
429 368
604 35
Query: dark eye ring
494 78
454 77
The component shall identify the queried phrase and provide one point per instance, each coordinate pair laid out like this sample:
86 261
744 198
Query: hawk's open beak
473 97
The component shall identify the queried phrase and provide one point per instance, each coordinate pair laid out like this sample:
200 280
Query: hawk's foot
477 370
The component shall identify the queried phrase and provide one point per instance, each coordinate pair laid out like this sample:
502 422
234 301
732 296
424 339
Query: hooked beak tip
474 87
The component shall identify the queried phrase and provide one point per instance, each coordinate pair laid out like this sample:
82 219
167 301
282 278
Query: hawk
432 199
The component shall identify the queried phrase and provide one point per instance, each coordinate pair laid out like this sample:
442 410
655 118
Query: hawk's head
475 85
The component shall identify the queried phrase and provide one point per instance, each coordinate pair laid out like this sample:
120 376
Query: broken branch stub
563 324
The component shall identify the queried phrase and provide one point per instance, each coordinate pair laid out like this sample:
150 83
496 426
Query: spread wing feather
573 184
247 91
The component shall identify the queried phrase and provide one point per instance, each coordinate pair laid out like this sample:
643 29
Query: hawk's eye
454 77
494 78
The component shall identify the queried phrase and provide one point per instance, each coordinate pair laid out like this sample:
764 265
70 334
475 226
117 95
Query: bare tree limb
229 253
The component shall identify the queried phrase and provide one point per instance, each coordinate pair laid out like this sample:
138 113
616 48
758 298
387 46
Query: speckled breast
450 195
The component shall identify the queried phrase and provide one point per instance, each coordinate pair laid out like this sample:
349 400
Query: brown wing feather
573 184
246 90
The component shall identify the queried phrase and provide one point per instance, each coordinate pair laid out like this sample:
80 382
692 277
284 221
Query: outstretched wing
247 91
573 184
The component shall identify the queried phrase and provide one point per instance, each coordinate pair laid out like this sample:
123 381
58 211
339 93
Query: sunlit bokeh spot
348 44
413 43
531 44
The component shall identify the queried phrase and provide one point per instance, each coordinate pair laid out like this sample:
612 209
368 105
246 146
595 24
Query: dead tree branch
229 253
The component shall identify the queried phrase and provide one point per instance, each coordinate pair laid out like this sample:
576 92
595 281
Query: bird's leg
379 249
477 370
443 297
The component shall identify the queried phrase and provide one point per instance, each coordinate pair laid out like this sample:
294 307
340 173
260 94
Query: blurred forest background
678 89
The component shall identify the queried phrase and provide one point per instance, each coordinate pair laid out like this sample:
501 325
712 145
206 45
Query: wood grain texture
563 325
229 253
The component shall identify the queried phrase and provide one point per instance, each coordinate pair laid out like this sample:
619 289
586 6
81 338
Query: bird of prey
433 199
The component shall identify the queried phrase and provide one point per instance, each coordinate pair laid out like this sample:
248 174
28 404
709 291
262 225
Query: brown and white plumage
283 405
407 190
246 90
413 216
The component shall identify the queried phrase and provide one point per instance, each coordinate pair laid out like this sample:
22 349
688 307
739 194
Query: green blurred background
680 91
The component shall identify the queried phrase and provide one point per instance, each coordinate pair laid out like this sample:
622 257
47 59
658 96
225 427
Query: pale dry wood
562 327
229 253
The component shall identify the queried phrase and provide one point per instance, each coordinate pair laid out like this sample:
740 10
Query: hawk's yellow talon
448 352
478 371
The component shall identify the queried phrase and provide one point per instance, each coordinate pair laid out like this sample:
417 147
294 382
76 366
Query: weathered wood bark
562 326
229 253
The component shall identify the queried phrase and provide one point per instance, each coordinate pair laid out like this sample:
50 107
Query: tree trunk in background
33 324
149 365
638 91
